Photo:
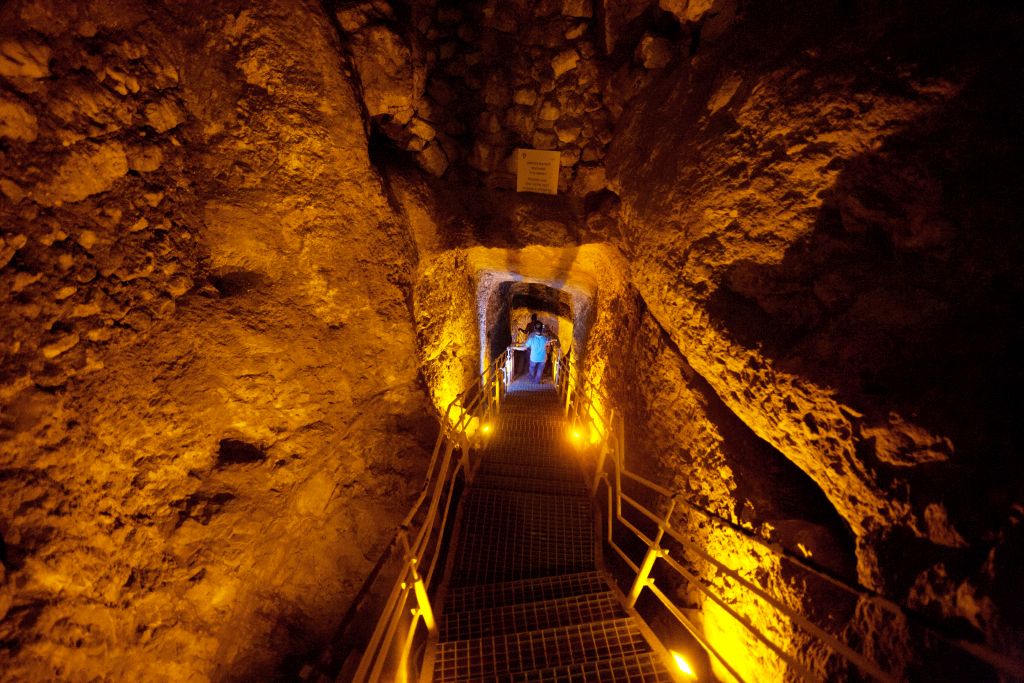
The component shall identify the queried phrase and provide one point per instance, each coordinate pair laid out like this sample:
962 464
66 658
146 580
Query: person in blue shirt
537 344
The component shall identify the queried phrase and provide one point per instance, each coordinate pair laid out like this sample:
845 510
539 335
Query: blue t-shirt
538 347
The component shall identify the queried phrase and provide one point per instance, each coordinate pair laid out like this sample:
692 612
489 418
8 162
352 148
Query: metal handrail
581 408
421 534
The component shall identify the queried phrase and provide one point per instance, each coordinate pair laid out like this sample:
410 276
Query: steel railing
594 420
419 542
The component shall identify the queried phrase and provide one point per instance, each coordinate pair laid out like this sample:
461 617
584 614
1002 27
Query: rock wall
464 84
211 413
681 435
448 327
846 294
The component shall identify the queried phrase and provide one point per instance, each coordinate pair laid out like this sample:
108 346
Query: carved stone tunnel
249 250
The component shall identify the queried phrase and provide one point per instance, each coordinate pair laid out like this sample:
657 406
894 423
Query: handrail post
422 600
423 608
654 551
642 578
466 465
600 468
605 448
497 393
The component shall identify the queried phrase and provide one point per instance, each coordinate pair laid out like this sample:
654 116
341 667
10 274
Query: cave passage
261 263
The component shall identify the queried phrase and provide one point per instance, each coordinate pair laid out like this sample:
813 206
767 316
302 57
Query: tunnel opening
551 309
556 285
383 151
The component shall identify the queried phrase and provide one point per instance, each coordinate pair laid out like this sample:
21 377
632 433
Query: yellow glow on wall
731 640
455 413
747 654
683 665
445 392
594 419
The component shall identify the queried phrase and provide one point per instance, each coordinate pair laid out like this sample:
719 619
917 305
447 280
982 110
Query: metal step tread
548 443
526 428
531 616
481 658
556 459
507 535
523 395
558 487
515 502
489 596
550 459
513 470
642 667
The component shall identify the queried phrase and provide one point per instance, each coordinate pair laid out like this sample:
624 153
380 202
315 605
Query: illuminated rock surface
247 251
837 286
212 415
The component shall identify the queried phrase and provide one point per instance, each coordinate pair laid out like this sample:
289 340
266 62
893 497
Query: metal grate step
643 667
483 658
547 441
533 616
550 442
526 470
554 459
524 603
528 392
550 486
489 596
510 535
535 455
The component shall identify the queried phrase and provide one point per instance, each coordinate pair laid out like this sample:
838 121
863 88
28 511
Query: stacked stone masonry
472 82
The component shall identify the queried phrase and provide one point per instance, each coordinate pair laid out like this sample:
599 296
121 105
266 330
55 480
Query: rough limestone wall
822 229
211 413
681 435
447 325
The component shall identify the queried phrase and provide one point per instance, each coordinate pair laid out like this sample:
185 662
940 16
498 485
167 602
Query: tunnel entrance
511 308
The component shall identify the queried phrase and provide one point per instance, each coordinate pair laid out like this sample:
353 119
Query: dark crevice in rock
238 452
384 153
238 282
597 201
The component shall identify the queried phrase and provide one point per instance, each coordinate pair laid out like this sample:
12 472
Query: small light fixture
486 428
682 664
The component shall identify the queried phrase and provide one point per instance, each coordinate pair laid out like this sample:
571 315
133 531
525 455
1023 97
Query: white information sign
537 171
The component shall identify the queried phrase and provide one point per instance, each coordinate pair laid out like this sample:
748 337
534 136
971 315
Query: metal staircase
495 574
525 601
